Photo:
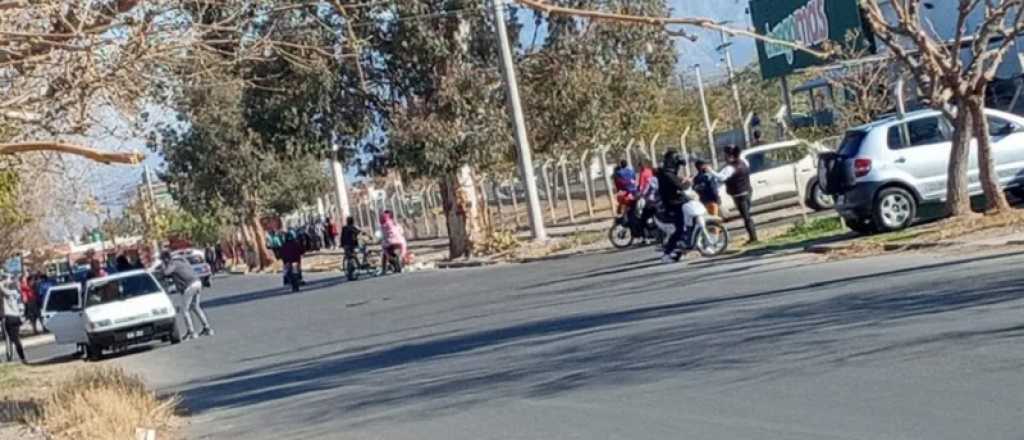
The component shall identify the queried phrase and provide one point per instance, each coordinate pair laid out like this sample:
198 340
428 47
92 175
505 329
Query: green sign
807 22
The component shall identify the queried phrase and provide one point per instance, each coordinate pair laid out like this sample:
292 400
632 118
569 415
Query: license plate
135 334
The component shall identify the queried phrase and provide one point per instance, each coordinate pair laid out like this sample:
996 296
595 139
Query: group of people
640 195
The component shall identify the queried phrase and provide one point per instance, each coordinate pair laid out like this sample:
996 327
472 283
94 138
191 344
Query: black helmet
672 161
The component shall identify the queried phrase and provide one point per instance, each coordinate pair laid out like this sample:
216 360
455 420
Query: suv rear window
850 146
924 131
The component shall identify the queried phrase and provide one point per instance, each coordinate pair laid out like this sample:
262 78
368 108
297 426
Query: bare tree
952 84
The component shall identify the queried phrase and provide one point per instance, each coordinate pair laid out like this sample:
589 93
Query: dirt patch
78 401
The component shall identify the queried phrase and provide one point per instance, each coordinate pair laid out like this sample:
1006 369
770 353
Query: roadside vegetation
69 402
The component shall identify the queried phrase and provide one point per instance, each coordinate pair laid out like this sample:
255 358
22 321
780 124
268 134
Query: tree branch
93 154
701 22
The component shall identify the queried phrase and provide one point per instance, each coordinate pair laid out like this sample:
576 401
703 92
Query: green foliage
802 232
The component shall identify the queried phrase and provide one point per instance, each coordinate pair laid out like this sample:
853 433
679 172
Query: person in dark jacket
736 176
706 184
291 252
190 286
671 192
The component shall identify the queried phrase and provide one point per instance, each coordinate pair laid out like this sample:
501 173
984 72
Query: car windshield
850 146
194 259
117 289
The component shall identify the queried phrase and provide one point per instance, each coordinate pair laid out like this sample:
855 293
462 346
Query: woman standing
31 303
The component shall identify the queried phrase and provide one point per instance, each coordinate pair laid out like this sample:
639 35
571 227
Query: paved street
616 346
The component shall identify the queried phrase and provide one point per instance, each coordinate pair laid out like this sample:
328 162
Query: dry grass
86 403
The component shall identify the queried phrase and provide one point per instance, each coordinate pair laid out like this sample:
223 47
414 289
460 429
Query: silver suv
883 171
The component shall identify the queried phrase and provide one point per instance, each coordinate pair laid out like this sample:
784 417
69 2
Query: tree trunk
260 239
958 201
462 212
986 166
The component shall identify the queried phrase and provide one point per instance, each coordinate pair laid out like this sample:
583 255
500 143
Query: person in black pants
736 176
670 191
11 312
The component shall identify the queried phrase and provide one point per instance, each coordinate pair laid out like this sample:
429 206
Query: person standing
12 311
672 195
332 230
328 233
736 176
31 303
185 280
707 185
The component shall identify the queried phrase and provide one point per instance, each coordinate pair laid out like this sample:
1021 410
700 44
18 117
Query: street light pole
525 157
735 89
707 118
340 190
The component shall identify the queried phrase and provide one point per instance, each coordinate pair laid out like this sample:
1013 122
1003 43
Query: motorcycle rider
671 192
291 252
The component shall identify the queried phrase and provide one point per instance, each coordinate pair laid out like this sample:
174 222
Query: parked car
884 171
771 175
114 312
197 258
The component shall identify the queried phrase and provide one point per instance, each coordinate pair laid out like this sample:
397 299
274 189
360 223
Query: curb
464 264
893 247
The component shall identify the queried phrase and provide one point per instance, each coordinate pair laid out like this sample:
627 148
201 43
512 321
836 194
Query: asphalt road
616 346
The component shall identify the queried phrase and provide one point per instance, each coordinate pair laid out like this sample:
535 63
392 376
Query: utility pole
735 89
707 118
340 190
525 157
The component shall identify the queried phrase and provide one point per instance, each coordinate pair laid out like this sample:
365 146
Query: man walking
190 287
736 176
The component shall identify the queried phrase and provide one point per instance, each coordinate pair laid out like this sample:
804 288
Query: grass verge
88 403
803 233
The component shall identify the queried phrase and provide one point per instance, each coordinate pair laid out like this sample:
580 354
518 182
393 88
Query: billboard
808 22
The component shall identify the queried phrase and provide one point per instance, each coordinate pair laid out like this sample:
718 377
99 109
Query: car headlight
161 311
100 323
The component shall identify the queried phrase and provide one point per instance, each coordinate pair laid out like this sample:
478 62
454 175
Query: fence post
425 212
547 189
564 164
607 178
497 198
654 148
585 176
686 150
515 202
629 152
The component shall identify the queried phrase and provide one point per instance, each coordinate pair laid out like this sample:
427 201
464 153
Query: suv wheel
818 199
895 209
861 226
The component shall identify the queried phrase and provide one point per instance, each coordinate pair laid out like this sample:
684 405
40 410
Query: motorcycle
707 235
292 276
621 234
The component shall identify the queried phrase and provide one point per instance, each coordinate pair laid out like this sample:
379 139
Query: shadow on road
737 335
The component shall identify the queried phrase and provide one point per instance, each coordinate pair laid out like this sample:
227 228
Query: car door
768 175
1007 149
783 162
924 154
62 312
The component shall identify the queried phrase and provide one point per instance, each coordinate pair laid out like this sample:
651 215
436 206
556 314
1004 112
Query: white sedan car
772 175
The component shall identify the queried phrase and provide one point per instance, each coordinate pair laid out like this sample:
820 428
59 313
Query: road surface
615 346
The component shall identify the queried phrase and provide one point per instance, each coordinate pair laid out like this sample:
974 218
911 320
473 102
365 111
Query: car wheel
860 226
175 333
895 209
817 199
93 352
